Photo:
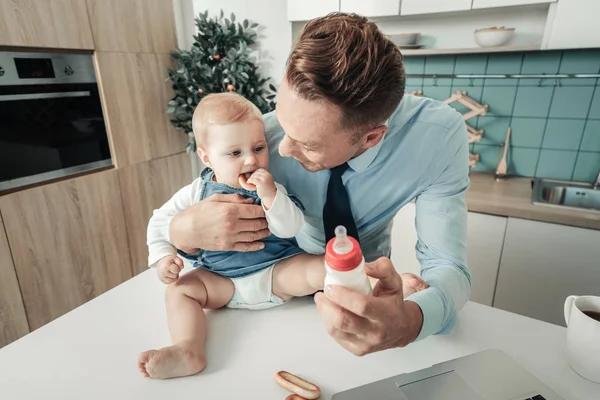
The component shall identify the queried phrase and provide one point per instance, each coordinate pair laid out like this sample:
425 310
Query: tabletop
91 352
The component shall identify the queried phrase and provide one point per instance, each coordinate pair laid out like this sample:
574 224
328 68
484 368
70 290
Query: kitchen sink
566 194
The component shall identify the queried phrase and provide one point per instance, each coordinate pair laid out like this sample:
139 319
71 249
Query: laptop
486 375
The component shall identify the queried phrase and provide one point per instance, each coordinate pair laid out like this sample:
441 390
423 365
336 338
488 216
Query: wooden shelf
473 50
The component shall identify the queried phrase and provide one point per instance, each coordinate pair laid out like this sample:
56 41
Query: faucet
596 184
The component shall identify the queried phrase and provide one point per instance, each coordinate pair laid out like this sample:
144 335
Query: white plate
411 46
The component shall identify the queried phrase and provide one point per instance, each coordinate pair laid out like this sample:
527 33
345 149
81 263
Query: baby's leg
412 284
186 300
304 274
298 276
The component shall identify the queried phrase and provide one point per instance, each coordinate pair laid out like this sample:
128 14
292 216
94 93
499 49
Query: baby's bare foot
412 284
170 362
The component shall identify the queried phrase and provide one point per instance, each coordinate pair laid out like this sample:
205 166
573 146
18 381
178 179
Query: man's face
312 132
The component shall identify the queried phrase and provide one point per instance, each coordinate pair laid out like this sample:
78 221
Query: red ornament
217 57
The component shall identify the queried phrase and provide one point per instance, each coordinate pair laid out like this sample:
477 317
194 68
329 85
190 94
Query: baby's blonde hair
222 109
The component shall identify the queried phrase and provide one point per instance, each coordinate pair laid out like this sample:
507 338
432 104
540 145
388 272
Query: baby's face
235 149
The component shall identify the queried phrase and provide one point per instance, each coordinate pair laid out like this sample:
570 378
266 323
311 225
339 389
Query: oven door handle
37 96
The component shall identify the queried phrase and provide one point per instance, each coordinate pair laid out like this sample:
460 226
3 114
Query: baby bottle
345 264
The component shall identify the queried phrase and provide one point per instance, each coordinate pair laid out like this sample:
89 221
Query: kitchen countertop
511 197
90 353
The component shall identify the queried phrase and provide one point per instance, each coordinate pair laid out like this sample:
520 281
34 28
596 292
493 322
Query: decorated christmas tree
219 61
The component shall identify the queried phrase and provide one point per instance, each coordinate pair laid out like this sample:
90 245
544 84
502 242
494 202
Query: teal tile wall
555 125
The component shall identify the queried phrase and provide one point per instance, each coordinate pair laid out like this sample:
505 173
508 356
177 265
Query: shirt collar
362 162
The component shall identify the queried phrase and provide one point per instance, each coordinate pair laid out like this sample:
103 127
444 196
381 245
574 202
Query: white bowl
493 37
405 39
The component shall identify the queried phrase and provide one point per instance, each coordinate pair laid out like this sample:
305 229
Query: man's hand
367 324
265 186
221 222
168 268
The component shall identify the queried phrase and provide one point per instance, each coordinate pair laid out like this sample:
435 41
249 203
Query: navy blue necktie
337 209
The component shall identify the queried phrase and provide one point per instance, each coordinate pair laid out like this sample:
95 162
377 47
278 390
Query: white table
91 352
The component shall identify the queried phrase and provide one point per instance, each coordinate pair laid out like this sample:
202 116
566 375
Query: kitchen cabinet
573 24
544 263
133 26
144 188
135 96
68 243
379 8
412 7
62 24
404 238
309 9
507 3
13 321
485 235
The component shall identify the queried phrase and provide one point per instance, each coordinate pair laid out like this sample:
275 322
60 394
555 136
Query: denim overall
235 264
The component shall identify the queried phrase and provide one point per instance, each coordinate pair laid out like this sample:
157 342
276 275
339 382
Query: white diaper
255 292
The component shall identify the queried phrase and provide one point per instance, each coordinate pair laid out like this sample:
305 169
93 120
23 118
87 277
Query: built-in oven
51 122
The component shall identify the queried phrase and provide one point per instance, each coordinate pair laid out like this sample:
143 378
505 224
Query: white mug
583 336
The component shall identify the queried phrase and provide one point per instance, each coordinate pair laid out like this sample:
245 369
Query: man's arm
441 221
366 324
221 222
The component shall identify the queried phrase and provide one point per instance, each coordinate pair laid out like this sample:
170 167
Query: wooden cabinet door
13 321
544 263
60 24
309 9
133 26
144 188
135 97
376 8
507 3
68 243
412 7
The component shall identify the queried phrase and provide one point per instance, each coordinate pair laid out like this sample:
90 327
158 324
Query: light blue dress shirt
423 156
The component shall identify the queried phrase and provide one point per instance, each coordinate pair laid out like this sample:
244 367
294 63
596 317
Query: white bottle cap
341 243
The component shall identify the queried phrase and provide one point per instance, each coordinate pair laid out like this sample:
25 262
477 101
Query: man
344 137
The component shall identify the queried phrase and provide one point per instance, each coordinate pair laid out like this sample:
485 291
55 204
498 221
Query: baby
229 132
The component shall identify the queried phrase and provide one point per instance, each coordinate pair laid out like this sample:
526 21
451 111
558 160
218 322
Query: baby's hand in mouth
243 180
261 181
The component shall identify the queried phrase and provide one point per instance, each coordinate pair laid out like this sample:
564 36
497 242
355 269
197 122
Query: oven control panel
18 68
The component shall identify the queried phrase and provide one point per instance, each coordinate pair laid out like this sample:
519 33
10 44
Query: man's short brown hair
346 60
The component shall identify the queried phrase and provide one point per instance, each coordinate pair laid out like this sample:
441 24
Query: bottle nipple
341 243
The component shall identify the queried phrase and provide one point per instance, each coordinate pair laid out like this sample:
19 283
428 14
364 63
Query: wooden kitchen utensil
502 168
474 134
418 93
475 107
